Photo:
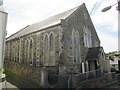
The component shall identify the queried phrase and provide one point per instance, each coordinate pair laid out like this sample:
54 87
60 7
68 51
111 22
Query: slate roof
43 24
93 53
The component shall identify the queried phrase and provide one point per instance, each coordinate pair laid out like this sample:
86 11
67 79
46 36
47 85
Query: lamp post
3 21
109 7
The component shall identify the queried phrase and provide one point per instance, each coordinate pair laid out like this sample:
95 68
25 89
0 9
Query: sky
26 12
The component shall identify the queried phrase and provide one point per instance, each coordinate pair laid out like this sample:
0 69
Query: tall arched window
13 52
52 49
87 37
26 51
8 54
76 46
46 50
10 50
16 51
31 52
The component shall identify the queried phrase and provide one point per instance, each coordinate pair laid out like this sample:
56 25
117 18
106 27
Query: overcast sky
25 12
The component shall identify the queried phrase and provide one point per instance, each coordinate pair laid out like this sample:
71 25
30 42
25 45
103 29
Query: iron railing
90 75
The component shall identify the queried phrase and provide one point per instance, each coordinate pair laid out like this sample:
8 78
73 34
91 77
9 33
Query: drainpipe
69 82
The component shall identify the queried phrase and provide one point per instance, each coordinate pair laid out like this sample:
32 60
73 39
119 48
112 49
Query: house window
76 46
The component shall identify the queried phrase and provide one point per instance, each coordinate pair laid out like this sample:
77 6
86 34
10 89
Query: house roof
93 53
54 20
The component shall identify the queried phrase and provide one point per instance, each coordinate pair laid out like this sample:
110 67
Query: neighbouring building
114 62
63 44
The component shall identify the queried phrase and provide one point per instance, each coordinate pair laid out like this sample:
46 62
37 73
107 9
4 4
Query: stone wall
28 73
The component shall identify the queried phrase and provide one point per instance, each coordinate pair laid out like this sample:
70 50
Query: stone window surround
53 51
28 52
76 47
87 37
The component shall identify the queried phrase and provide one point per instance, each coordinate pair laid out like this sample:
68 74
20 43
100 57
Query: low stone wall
31 73
27 72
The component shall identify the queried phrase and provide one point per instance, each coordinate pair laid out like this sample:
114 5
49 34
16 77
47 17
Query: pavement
9 85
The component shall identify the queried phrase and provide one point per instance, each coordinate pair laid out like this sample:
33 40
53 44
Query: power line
94 7
56 8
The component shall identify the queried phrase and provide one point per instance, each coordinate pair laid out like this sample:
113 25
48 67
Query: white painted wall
3 20
119 30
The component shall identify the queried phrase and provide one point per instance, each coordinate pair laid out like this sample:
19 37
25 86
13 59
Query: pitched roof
43 24
93 53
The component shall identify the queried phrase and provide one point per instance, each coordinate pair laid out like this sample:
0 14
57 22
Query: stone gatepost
44 78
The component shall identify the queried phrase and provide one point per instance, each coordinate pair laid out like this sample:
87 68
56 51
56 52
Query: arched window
51 42
52 49
31 52
46 50
76 46
16 51
87 37
13 52
8 51
26 51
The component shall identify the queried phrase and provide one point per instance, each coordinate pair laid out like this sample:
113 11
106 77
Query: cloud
107 18
108 42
